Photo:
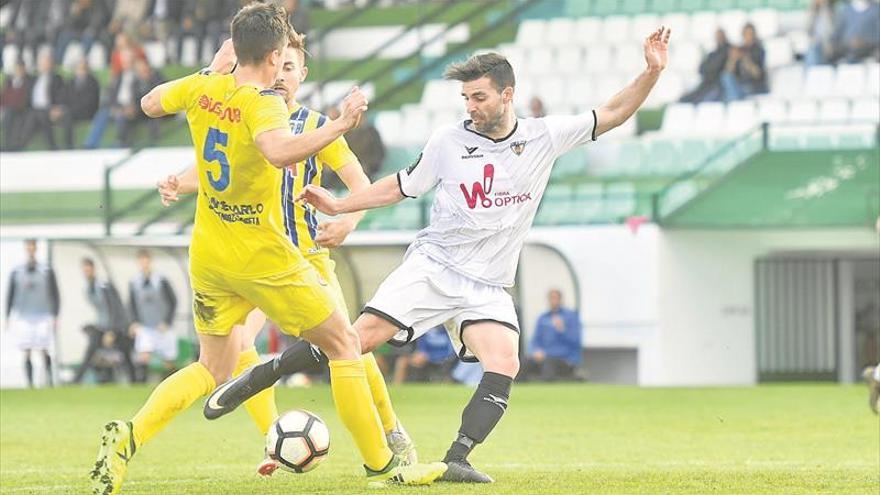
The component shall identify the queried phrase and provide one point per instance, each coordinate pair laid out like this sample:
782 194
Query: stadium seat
74 53
709 118
662 156
873 78
443 117
771 110
787 82
834 111
416 126
571 164
620 200
680 25
436 94
742 116
766 22
560 31
732 21
598 59
551 90
580 91
531 33
819 81
540 61
703 26
778 52
629 58
678 119
587 204
188 53
587 31
10 52
802 111
849 80
155 52
616 29
97 56
669 88
608 86
686 57
515 54
388 123
569 60
865 110
642 26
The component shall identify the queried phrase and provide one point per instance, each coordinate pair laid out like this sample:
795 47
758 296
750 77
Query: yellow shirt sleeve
337 154
267 114
178 96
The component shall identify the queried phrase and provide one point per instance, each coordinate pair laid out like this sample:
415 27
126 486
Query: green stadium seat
558 192
664 6
606 7
634 7
571 164
750 4
578 8
663 157
620 200
720 4
691 6
630 158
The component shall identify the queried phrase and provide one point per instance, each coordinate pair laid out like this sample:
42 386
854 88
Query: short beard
491 125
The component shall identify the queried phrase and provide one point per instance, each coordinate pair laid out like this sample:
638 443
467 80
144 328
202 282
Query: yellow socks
261 407
354 404
380 392
169 398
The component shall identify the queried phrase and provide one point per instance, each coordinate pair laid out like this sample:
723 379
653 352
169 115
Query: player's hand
168 190
353 107
332 234
657 49
224 59
320 198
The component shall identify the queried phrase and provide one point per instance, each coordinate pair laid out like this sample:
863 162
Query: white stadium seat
686 57
642 26
616 29
514 54
10 53
669 88
388 123
778 52
155 52
771 110
437 94
834 111
569 60
680 24
540 61
703 26
97 56
581 91
732 21
709 118
766 22
678 119
819 81
873 79
416 125
849 80
531 33
802 111
629 58
742 116
609 85
74 53
551 89
787 82
865 110
598 59
587 31
560 31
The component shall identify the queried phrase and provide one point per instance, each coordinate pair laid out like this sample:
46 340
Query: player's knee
339 342
506 364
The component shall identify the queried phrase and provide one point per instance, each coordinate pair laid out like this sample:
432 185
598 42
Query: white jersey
487 191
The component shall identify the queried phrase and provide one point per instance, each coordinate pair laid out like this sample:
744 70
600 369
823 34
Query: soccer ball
298 440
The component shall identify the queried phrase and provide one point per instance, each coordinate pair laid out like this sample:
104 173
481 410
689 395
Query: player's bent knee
373 331
336 338
507 365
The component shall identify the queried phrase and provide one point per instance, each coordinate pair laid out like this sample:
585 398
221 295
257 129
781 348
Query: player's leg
143 348
28 367
496 346
47 362
261 407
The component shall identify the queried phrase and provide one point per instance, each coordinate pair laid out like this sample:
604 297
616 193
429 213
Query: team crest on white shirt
518 147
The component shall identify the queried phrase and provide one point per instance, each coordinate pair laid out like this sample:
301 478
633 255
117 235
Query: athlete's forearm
383 192
624 104
283 149
189 181
354 178
151 103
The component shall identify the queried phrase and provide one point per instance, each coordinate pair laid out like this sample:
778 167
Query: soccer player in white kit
489 174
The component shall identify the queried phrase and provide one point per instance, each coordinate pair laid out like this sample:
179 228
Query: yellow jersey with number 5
239 227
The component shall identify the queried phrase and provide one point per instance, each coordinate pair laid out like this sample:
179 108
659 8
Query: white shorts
421 294
33 333
152 340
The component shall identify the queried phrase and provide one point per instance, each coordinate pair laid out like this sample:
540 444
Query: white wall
706 297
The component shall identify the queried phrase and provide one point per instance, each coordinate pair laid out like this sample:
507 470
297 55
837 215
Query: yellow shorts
327 270
296 300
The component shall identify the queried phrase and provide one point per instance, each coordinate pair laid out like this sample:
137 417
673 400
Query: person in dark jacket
711 68
47 99
745 73
81 102
14 104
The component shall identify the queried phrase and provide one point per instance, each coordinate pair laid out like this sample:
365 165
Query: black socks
480 416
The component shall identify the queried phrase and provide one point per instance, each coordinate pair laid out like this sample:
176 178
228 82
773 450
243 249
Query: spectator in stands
205 19
83 97
536 108
124 42
32 310
111 318
14 101
152 304
106 359
47 103
556 344
145 79
85 23
297 15
745 73
857 31
25 14
121 103
711 68
434 357
821 29
163 21
128 16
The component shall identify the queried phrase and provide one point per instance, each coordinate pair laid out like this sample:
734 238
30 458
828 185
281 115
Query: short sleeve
569 131
178 95
269 112
424 173
337 154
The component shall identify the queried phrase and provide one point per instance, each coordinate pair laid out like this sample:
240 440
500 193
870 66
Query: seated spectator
124 43
127 17
434 357
711 68
85 23
745 73
556 344
106 359
83 97
205 19
47 99
536 108
856 31
25 14
14 101
821 29
146 78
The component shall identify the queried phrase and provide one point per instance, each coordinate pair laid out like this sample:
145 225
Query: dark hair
143 253
30 240
88 262
492 65
257 30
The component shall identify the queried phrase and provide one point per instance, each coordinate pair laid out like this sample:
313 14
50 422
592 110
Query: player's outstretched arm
331 234
173 186
625 103
383 192
282 148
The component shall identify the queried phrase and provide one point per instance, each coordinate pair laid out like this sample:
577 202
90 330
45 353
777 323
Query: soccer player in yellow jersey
312 239
239 255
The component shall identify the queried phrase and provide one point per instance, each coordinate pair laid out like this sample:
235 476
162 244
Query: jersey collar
501 140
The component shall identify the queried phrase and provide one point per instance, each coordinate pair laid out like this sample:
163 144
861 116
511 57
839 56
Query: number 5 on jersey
212 154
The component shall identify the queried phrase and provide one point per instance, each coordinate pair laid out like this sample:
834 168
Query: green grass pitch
554 439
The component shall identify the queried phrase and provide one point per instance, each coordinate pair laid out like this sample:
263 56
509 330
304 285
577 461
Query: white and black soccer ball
298 440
